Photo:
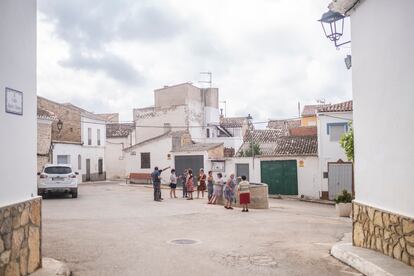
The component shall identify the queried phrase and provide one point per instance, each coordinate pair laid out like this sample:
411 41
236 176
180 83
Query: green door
281 176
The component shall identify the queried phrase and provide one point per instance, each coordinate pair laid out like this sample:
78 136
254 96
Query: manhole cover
184 241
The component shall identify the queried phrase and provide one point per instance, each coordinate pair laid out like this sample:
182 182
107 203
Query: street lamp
59 125
333 26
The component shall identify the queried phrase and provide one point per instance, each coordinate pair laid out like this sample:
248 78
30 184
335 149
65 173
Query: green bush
347 143
345 197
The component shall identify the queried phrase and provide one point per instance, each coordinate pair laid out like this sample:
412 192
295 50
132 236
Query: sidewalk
319 201
52 267
369 262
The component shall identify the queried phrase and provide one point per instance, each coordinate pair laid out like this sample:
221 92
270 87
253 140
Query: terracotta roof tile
339 107
283 125
45 114
118 130
199 147
231 122
310 110
263 135
296 146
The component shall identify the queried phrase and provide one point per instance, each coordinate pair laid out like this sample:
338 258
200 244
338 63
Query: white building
288 164
183 106
335 171
382 65
88 157
118 137
20 254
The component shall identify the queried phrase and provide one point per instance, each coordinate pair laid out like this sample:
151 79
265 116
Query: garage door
339 178
194 162
281 176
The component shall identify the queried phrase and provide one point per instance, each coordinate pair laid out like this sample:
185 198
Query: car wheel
75 193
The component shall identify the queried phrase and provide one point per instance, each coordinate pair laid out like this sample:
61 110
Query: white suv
57 178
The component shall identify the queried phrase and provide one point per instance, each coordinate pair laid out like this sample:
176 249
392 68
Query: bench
141 177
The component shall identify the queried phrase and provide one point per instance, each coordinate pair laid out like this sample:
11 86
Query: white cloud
265 55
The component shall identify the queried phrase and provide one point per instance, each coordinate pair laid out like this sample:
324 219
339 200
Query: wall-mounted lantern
333 26
59 125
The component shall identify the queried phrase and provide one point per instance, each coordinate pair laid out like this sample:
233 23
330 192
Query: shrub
345 197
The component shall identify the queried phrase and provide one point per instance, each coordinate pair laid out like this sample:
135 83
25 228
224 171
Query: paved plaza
115 229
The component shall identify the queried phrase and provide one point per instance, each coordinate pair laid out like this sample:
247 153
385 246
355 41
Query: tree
248 152
347 143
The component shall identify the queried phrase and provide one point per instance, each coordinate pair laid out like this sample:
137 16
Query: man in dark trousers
156 183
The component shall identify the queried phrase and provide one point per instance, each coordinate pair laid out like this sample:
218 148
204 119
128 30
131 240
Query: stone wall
20 237
44 141
71 118
259 197
388 233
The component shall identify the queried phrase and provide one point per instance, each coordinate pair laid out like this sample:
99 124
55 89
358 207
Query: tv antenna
210 80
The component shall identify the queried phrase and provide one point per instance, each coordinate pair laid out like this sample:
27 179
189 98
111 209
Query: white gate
340 177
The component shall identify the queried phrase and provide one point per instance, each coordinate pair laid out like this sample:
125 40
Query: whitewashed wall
176 116
93 153
159 150
73 150
308 178
383 60
18 71
329 151
115 157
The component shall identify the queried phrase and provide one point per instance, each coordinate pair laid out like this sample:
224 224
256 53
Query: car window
58 170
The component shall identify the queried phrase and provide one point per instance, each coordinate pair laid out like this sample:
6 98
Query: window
208 133
79 162
58 170
98 137
167 127
335 130
145 160
100 166
63 159
89 136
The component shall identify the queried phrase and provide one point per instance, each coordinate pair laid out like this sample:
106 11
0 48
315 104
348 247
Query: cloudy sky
265 55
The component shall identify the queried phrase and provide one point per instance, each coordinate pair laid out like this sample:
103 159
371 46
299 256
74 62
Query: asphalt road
114 229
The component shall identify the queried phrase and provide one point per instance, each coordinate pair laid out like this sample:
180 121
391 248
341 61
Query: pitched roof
45 114
339 107
310 110
198 147
84 112
116 130
296 146
148 141
232 122
110 117
263 135
272 142
283 125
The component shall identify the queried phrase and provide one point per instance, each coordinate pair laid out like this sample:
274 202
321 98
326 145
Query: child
244 193
217 189
173 183
210 184
190 184
202 187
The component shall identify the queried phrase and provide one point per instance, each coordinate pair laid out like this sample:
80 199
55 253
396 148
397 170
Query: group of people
232 190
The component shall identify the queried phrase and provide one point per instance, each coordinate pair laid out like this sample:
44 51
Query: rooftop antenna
210 80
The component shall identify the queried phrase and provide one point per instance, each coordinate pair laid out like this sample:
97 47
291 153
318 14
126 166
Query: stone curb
324 202
369 262
52 267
